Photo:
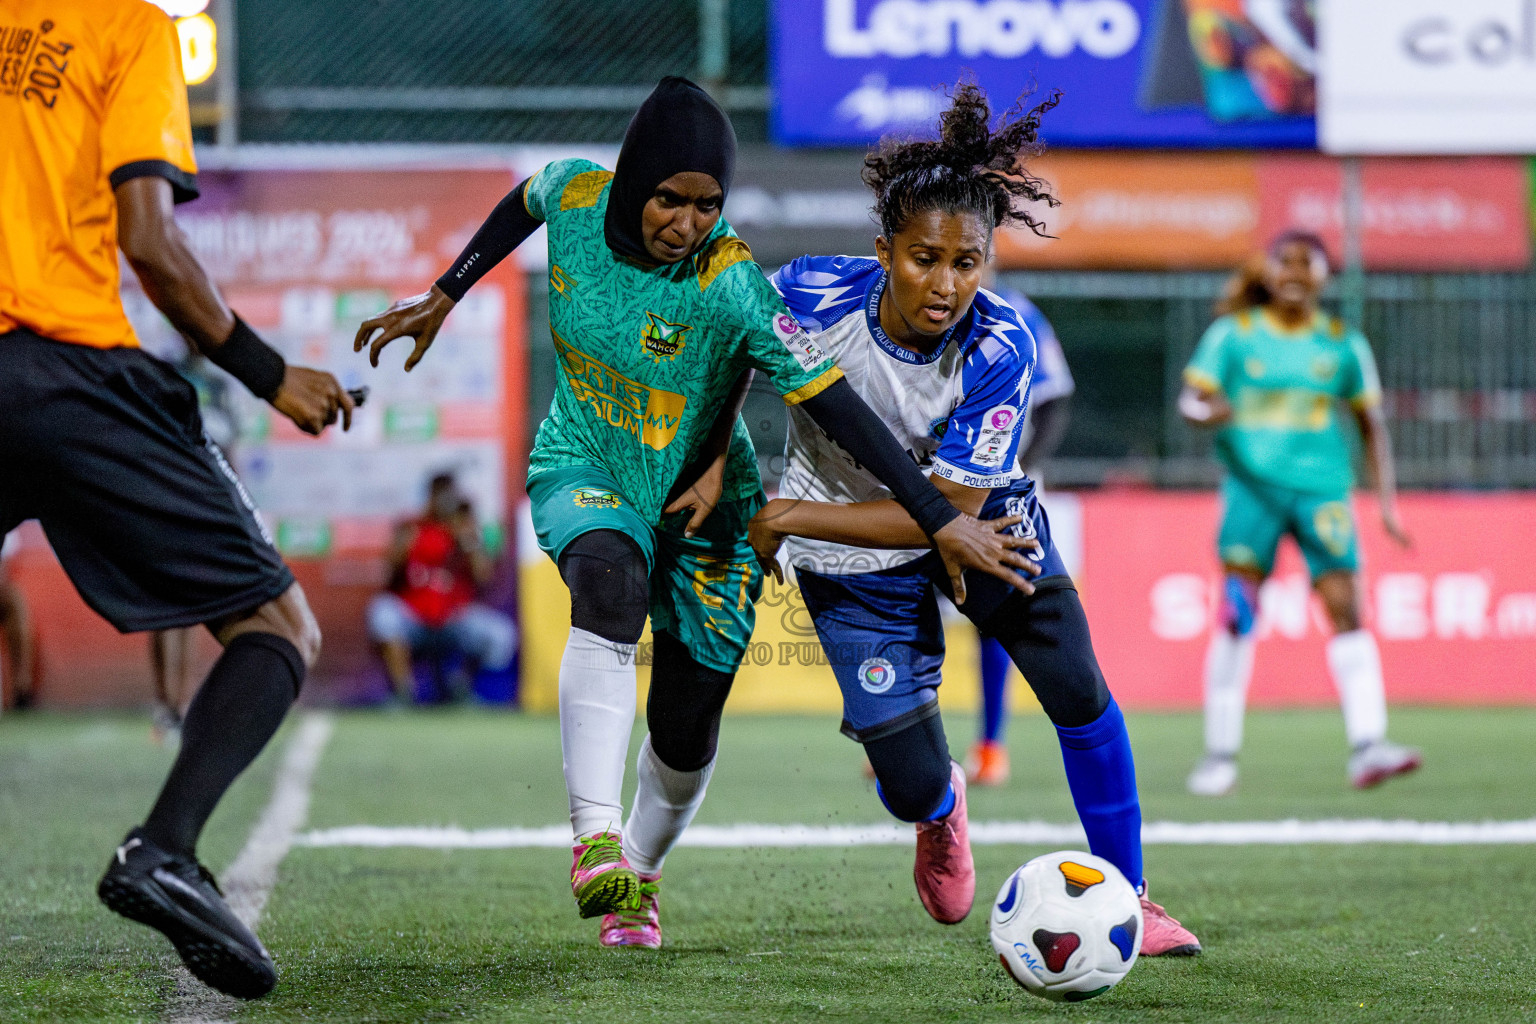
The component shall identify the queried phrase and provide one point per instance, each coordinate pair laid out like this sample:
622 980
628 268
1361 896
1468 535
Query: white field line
1291 832
250 879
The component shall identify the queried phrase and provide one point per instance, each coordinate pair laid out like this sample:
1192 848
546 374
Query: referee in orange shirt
103 443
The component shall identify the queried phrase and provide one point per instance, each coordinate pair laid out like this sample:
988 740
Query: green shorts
1256 515
703 588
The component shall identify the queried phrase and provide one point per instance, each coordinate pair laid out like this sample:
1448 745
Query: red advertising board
1417 214
1455 615
1180 211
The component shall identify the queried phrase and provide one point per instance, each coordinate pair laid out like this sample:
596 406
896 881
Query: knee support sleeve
912 769
610 587
1239 604
684 707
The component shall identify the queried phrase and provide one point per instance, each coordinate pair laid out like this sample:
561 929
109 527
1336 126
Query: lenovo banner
1180 73
1173 211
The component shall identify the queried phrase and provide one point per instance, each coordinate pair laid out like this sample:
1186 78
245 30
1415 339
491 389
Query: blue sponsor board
846 72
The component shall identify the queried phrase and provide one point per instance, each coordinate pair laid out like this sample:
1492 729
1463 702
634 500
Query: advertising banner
1175 211
1455 615
1133 73
1428 76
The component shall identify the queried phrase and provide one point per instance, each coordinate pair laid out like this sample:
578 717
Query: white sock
597 712
1228 667
665 803
1355 661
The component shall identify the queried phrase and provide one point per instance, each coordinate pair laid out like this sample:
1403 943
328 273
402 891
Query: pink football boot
944 872
601 879
1164 935
640 926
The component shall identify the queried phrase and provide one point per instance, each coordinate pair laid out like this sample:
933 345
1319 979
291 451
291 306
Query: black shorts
105 447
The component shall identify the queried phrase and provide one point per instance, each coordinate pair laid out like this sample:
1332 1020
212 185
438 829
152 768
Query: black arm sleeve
854 426
508 226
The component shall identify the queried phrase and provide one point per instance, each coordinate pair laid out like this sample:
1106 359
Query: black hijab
678 128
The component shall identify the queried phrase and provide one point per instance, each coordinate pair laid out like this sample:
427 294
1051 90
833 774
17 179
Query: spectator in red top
436 569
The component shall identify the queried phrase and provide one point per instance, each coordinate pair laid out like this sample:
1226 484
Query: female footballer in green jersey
1270 374
659 317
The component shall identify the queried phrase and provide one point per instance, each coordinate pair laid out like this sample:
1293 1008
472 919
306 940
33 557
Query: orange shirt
91 95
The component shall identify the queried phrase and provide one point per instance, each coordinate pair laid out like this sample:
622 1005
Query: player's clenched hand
419 317
312 399
969 543
766 538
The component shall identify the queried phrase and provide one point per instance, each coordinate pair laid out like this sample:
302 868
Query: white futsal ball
1067 926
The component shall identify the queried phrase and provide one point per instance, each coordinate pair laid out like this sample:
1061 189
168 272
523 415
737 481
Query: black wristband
251 361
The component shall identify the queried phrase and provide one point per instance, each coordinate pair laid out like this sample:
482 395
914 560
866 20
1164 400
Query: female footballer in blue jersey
948 366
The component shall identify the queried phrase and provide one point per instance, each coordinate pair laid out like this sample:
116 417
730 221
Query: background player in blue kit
948 365
1045 421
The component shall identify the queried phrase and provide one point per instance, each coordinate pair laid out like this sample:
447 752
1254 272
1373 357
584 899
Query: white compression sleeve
1355 661
597 713
665 803
1228 668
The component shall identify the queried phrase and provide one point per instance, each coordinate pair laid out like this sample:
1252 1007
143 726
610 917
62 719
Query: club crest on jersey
596 497
662 339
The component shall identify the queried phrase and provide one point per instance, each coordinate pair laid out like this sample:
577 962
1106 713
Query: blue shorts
882 632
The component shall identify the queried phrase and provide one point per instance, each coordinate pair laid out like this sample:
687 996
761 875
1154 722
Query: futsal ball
1067 926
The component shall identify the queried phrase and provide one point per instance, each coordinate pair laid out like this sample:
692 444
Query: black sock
236 712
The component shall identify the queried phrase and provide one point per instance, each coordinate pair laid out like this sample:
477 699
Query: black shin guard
236 712
610 588
684 706
913 769
1046 636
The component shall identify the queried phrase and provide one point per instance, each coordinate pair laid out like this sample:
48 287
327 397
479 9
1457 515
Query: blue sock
995 664
946 806
1102 776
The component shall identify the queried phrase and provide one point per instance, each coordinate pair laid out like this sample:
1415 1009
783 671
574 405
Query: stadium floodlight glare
199 48
181 8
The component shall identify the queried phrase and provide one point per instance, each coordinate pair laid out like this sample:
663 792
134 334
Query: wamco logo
1493 42
972 28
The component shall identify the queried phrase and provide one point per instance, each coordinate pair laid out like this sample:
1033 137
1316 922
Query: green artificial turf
1310 933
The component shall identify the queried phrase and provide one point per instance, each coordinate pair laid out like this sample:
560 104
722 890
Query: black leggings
684 707
1046 635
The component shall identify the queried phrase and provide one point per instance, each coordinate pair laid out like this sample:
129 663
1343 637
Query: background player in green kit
1271 373
659 317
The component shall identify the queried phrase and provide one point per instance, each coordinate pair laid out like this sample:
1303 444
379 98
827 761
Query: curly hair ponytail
970 167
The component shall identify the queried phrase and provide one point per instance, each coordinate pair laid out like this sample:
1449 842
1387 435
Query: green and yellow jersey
1285 387
648 355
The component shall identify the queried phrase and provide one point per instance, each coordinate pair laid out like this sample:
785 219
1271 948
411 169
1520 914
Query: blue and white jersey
957 411
1053 379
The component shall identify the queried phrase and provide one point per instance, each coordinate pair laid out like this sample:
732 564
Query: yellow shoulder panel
582 191
723 252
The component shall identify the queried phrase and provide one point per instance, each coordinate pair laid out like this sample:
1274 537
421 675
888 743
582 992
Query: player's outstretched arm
420 317
962 541
180 287
867 524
